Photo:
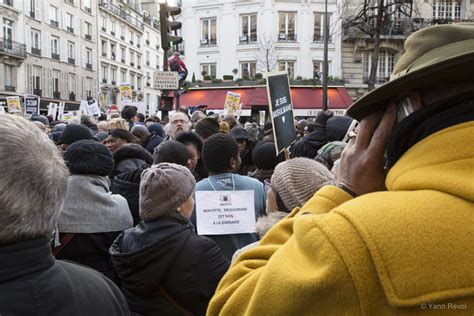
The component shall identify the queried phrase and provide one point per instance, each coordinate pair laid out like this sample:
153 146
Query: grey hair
33 183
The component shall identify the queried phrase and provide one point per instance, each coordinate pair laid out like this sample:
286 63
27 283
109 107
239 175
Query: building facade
357 47
243 38
61 45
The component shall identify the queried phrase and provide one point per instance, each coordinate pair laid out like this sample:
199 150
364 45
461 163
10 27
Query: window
70 52
103 23
71 83
147 56
287 22
112 27
384 67
8 30
88 29
123 75
122 32
53 16
87 6
157 62
89 58
104 48
208 36
89 88
249 29
122 53
318 35
131 37
132 80
56 83
132 58
105 70
447 9
113 76
288 66
139 82
139 60
210 69
35 42
69 23
113 50
248 69
9 76
318 69
55 47
34 9
36 78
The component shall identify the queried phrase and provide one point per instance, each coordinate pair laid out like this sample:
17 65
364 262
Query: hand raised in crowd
362 161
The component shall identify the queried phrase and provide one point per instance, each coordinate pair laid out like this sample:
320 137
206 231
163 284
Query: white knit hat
297 180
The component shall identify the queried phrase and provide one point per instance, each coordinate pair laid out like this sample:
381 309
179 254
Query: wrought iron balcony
71 61
70 29
13 49
36 51
122 14
55 56
8 2
54 23
89 66
88 37
56 95
72 96
37 92
10 88
317 38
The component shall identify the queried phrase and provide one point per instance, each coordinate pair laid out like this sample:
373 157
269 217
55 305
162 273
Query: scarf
91 208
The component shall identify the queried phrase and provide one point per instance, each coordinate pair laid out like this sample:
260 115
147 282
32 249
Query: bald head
140 132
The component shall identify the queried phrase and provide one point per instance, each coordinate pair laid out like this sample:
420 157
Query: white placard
225 212
166 80
52 110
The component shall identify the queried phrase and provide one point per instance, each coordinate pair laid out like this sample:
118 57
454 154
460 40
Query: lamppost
325 61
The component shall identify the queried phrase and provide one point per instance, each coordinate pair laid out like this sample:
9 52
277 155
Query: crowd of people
371 214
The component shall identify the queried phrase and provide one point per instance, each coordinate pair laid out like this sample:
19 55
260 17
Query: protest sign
166 80
231 105
281 110
52 110
125 91
32 104
225 212
92 107
13 104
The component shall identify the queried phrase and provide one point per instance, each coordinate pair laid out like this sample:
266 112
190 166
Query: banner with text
281 110
32 104
225 212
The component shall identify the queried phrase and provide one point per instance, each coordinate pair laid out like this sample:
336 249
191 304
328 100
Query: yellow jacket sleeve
293 265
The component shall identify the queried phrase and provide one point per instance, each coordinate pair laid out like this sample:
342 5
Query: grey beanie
297 180
163 188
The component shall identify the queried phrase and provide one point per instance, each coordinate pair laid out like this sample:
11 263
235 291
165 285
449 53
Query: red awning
302 97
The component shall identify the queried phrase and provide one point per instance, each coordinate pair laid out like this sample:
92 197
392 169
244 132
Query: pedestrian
242 136
265 158
392 236
179 122
117 123
194 145
130 157
129 113
222 160
164 267
32 192
309 145
73 133
119 137
207 127
148 140
172 152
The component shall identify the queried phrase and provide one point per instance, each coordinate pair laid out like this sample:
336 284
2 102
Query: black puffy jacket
166 252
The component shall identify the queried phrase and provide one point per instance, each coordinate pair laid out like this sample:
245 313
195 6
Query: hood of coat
132 151
147 250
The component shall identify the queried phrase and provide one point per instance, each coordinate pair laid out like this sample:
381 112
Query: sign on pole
166 80
32 104
231 105
281 110
125 91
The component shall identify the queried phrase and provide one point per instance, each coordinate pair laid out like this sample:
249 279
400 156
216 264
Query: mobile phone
404 108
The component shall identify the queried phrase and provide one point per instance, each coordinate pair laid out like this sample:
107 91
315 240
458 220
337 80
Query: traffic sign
166 80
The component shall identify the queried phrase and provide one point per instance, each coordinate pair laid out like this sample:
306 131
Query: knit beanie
323 117
239 133
163 188
297 180
207 127
89 157
73 133
264 156
39 118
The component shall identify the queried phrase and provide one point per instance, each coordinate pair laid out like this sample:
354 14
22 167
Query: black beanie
89 157
207 127
323 117
264 156
73 133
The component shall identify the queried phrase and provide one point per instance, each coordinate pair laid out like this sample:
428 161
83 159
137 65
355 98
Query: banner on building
32 104
281 110
125 91
232 101
14 104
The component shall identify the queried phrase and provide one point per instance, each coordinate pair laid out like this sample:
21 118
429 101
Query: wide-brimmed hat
433 56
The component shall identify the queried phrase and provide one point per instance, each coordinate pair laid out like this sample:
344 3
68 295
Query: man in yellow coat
395 236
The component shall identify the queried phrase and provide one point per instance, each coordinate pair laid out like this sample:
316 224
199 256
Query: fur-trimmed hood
266 222
132 151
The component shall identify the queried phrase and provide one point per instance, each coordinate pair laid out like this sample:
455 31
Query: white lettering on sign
166 80
281 111
280 101
225 212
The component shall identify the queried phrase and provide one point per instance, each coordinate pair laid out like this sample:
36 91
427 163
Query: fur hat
163 188
73 133
89 157
297 180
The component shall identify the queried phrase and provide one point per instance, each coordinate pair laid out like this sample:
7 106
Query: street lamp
325 61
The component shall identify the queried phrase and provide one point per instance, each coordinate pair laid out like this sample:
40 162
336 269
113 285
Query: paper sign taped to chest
225 212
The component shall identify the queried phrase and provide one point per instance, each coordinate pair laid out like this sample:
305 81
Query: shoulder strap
64 241
181 308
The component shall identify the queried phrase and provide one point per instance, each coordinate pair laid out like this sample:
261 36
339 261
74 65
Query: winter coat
128 185
167 253
129 158
309 145
405 251
152 142
96 217
32 282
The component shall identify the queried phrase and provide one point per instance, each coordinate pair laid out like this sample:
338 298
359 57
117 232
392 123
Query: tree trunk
376 39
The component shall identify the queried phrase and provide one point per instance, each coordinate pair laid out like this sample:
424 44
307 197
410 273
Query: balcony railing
89 66
13 48
283 37
10 88
37 92
36 51
8 2
122 14
55 56
56 95
70 29
88 10
88 37
54 23
72 96
317 38
71 61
